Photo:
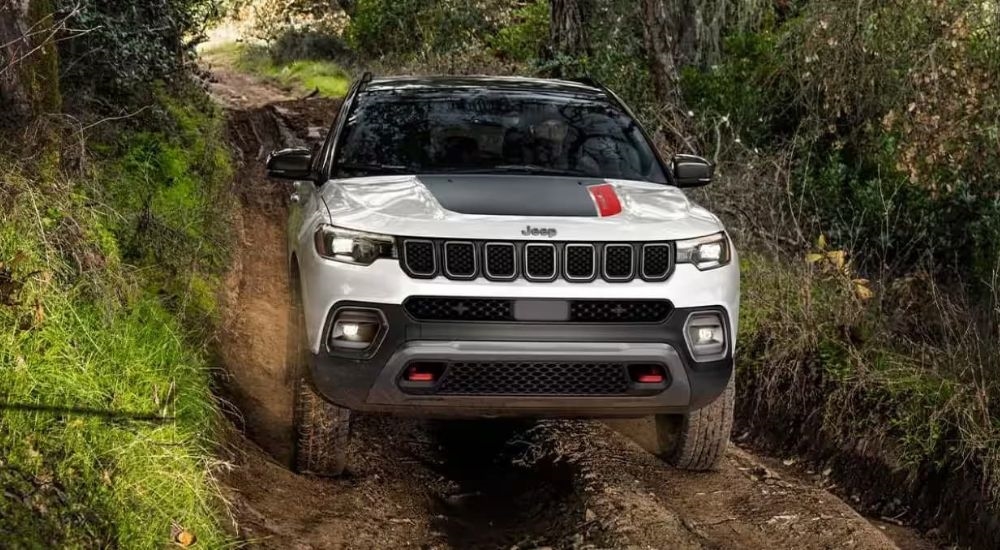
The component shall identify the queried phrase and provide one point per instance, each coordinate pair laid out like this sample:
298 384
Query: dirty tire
321 429
698 441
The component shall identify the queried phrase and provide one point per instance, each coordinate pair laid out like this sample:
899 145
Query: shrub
890 115
169 189
524 39
119 46
746 90
419 28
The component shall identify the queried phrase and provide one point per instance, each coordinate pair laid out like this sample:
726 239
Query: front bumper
372 384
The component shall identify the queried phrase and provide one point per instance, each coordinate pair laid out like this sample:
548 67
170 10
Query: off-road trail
418 484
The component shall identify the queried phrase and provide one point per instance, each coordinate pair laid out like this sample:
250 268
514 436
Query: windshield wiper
378 168
521 169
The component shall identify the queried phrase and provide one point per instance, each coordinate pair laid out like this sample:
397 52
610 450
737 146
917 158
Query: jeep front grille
432 308
536 261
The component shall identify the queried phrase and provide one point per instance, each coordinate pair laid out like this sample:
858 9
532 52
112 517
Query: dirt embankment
490 485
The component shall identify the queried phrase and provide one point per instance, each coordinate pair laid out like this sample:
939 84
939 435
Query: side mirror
290 164
691 171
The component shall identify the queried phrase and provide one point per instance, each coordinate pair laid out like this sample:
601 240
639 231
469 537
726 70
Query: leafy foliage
891 116
421 28
118 47
524 39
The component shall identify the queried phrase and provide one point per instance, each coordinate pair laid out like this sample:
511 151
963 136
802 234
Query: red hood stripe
605 199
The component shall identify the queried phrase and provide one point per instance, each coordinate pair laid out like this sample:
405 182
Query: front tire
322 432
698 440
321 429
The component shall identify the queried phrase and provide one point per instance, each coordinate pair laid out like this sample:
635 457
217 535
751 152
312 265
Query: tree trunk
29 61
15 94
669 33
567 33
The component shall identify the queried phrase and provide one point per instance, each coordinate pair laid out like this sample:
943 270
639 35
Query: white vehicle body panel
402 205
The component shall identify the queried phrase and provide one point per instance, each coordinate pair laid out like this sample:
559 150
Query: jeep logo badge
539 231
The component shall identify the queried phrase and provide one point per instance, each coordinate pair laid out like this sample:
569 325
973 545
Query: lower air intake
534 378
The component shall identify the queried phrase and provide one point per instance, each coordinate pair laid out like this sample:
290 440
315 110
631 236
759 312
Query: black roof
517 83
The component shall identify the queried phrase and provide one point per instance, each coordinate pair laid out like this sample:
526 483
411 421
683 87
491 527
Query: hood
509 206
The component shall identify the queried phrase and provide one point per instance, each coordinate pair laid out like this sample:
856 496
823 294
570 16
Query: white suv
481 247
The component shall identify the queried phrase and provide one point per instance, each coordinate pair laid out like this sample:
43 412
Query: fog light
355 329
706 336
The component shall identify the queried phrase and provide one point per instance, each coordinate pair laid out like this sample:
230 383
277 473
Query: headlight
704 252
353 247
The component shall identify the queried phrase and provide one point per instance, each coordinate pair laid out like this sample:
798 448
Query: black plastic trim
346 378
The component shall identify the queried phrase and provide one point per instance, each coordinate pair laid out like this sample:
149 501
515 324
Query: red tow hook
647 374
423 372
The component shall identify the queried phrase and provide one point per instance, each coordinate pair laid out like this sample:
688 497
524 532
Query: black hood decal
506 195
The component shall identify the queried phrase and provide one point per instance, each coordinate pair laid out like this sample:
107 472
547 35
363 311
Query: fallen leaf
838 258
185 538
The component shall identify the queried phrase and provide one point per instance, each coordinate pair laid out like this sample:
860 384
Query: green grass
818 364
302 75
97 331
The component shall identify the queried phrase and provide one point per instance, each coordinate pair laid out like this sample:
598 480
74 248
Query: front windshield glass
493 131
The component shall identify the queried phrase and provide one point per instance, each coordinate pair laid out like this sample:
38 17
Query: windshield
493 131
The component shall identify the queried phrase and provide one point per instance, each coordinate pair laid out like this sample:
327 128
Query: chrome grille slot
657 261
580 262
420 258
540 261
500 260
619 262
460 260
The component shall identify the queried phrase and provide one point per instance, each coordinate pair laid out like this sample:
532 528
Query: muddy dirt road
420 484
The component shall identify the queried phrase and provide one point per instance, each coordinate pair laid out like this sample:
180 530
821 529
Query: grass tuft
301 75
107 419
